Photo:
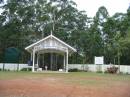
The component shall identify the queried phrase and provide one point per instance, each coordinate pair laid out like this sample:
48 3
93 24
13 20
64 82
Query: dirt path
52 87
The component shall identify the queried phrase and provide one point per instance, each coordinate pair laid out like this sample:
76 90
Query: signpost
99 61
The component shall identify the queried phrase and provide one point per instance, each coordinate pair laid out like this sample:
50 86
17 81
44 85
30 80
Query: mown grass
82 78
21 74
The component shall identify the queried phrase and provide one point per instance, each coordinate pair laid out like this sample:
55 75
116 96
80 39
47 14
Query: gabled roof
50 36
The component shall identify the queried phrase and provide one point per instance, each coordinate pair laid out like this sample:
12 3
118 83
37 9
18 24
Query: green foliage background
23 22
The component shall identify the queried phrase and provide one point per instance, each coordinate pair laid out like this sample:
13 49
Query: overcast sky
113 6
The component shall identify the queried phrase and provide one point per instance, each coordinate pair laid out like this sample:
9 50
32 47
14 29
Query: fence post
126 69
103 68
18 67
3 66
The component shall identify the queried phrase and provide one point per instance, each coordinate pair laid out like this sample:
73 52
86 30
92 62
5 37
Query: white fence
13 66
103 68
87 67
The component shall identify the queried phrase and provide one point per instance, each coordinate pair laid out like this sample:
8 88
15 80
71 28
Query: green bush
73 70
6 69
99 71
26 69
112 69
0 69
121 73
127 73
106 71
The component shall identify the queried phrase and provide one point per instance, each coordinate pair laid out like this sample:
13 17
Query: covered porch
50 54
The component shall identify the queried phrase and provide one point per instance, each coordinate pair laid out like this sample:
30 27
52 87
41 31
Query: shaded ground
63 85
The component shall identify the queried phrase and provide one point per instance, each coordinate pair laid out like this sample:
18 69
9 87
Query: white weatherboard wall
94 68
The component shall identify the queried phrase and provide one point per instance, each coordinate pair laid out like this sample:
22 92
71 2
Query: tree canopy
32 20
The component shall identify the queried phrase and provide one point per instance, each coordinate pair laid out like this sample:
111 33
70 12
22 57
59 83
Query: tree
18 24
95 35
1 1
126 52
31 20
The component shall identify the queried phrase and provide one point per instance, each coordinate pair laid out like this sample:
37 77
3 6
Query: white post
103 68
56 62
33 60
51 60
67 61
37 59
43 60
31 56
126 69
64 62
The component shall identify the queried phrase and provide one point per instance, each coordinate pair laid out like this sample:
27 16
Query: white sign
99 60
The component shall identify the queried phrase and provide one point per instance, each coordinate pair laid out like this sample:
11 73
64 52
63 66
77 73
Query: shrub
73 70
127 73
6 70
85 70
121 73
0 69
99 72
112 69
106 71
26 69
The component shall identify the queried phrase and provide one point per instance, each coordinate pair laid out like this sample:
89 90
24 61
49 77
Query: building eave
52 36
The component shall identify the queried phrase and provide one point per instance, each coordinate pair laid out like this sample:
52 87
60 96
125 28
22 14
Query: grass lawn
76 84
84 78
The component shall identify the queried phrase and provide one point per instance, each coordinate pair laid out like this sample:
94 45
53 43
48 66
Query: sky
113 6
